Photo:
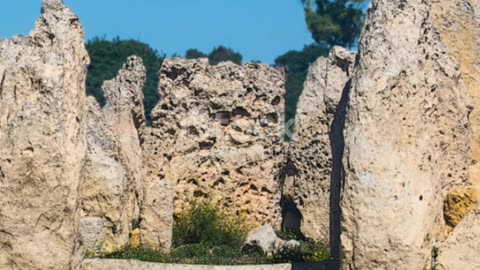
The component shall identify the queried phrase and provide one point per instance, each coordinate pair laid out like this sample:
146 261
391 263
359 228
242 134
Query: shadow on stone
337 144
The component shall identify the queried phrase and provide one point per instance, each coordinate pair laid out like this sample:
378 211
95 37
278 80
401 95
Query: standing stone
406 139
218 134
113 186
42 141
459 27
461 249
91 235
157 208
310 151
105 188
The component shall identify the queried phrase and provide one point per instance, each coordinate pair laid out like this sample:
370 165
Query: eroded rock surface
310 151
42 141
218 134
462 247
459 27
112 188
406 139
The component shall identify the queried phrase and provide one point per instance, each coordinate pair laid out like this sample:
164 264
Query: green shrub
204 223
204 234
141 254
307 251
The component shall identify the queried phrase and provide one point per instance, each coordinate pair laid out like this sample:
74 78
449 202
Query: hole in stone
272 118
219 182
193 131
291 217
223 117
266 190
253 187
421 198
206 145
240 111
198 193
276 101
290 168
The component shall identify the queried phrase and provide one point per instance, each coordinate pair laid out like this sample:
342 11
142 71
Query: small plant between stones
204 234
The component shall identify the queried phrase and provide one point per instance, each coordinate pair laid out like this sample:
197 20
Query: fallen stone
262 240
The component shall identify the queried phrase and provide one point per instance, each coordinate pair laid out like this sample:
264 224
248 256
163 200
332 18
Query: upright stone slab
459 26
42 141
218 134
113 187
406 139
91 235
461 249
310 151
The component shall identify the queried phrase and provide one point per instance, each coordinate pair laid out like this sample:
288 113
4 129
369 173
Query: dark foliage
108 56
217 55
334 22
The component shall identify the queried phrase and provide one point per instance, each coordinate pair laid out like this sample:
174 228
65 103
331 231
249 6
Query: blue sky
259 29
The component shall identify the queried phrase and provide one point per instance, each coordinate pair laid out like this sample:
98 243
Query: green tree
195 54
108 56
296 64
334 22
222 54
217 55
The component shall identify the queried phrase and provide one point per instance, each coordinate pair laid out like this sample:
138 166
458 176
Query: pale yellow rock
406 139
461 250
42 141
459 27
218 133
113 187
135 239
310 151
458 204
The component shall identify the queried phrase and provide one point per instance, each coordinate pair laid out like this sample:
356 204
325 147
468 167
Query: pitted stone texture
310 151
461 250
219 133
157 207
459 28
124 113
91 234
406 139
114 171
105 188
458 204
42 141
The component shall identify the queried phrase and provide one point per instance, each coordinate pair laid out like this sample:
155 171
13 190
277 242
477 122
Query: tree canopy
108 56
297 64
217 55
334 22
195 54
